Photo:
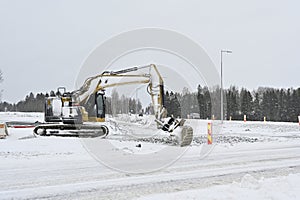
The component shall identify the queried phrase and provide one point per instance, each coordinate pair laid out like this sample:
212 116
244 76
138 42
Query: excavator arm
130 76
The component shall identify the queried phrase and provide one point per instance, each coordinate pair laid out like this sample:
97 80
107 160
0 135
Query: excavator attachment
176 127
186 136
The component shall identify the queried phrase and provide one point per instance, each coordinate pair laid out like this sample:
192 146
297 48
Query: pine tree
274 106
257 108
289 105
201 103
294 107
297 102
207 104
232 108
282 105
246 103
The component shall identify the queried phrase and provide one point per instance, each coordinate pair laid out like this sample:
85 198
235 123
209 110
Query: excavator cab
100 106
95 107
53 108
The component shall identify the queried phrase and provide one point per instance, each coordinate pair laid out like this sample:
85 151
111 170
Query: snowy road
60 168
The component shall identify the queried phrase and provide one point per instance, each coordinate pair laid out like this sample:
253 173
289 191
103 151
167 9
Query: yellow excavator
81 113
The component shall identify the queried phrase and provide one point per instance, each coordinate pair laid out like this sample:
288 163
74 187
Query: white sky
43 43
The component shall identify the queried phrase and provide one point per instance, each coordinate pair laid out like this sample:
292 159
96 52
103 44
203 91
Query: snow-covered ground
252 160
249 188
21 116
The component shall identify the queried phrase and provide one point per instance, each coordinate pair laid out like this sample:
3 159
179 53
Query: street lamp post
222 106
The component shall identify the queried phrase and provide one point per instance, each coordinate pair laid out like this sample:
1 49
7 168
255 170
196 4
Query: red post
299 119
245 118
209 133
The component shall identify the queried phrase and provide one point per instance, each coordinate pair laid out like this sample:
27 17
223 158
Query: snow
249 188
252 160
20 116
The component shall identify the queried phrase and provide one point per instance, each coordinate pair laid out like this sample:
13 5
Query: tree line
31 103
274 104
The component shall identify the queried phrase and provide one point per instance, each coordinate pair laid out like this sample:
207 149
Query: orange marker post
245 118
299 119
3 130
209 133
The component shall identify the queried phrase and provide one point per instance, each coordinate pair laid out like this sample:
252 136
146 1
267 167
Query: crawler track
71 130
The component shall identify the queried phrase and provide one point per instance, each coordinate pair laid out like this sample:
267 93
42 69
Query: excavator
81 113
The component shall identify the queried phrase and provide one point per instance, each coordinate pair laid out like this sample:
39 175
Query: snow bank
21 116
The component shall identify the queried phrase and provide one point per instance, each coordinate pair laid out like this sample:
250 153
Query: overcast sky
44 42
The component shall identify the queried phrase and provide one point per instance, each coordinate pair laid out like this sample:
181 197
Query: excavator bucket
186 136
176 127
